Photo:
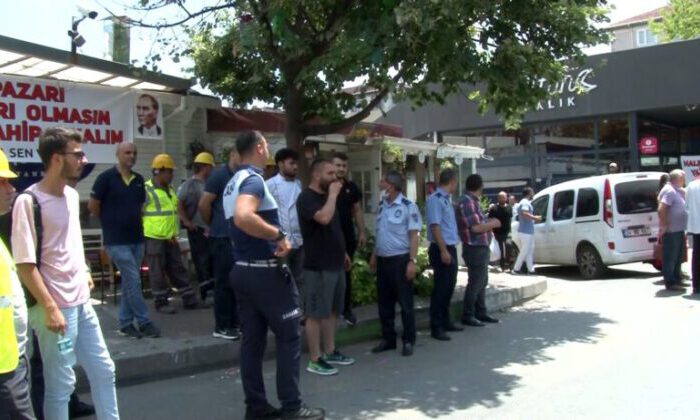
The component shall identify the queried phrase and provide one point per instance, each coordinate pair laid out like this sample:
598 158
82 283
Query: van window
563 207
540 205
588 203
636 196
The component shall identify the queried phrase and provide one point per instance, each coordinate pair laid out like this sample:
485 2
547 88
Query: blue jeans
128 260
672 257
89 350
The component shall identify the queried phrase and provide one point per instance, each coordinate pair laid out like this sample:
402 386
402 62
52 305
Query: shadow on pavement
668 293
572 273
444 377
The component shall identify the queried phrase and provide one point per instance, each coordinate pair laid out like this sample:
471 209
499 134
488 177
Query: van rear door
636 223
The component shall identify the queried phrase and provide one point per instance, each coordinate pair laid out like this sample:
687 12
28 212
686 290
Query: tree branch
163 25
316 129
265 19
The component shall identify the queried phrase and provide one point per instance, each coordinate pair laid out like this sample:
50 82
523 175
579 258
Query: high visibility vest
9 350
160 220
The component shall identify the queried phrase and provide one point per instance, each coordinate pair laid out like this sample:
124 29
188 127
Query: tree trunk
294 133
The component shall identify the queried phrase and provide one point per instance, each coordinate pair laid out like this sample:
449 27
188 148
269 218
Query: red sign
649 145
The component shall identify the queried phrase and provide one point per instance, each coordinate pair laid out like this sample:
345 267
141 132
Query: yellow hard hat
163 161
205 158
5 171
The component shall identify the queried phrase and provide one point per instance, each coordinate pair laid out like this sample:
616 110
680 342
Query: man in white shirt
693 202
285 188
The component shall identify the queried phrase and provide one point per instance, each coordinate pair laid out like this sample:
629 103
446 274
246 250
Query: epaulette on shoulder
405 201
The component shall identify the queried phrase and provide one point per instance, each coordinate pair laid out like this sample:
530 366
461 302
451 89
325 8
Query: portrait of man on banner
148 117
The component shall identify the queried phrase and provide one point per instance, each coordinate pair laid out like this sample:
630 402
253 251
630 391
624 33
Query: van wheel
589 263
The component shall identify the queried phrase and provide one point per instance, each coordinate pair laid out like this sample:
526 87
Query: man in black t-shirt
504 213
325 263
349 206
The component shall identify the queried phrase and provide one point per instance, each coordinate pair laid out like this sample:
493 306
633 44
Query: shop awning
23 58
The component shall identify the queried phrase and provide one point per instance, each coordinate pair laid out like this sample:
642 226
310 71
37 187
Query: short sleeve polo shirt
120 207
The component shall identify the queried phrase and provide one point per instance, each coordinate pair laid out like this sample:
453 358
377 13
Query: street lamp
77 40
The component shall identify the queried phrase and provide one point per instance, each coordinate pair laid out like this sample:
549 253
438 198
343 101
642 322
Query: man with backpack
66 325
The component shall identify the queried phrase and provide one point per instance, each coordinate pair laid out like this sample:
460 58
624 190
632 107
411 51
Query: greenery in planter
364 282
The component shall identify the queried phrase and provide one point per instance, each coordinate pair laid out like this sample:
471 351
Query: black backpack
39 229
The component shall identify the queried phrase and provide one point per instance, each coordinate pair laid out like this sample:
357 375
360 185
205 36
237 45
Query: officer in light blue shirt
397 234
443 237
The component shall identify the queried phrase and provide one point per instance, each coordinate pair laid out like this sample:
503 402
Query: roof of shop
23 58
642 18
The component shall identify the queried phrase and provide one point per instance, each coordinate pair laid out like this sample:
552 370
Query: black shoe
130 331
472 322
384 346
267 412
77 408
489 319
150 330
350 319
454 328
165 308
440 335
675 288
407 349
304 412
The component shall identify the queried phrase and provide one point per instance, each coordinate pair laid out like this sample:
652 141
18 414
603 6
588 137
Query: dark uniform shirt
216 183
121 205
248 181
504 214
348 196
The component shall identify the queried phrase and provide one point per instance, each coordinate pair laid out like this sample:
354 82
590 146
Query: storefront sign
104 115
563 93
649 145
691 167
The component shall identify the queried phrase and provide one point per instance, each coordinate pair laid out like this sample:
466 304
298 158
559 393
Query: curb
168 357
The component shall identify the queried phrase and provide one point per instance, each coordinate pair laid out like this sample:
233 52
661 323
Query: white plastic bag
495 250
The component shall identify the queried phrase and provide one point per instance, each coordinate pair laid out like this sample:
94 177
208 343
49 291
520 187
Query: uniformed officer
443 236
394 258
266 293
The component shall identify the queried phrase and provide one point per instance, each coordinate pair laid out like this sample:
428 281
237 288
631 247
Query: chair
97 259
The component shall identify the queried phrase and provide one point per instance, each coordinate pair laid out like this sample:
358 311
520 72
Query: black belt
258 263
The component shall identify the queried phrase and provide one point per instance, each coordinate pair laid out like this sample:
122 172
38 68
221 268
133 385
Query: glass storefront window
567 137
613 133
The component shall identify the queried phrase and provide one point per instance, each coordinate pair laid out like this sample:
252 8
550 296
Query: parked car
597 222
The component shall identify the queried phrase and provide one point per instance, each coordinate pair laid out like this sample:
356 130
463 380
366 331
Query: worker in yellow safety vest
161 228
14 364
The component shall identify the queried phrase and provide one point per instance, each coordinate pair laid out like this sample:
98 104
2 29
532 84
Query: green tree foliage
299 55
681 20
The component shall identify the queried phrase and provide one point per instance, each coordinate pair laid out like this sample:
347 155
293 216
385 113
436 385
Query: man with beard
349 207
324 267
285 188
117 198
67 327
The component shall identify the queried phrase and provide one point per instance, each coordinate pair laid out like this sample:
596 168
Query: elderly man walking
673 219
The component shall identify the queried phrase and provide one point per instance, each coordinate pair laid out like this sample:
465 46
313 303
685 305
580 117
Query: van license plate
634 231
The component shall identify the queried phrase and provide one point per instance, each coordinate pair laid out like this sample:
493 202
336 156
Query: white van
597 221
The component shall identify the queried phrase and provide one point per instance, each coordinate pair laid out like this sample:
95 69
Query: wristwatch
414 261
281 234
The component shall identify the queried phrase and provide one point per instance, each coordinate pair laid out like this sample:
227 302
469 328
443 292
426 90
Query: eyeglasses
78 155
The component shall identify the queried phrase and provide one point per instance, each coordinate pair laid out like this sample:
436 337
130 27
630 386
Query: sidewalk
187 345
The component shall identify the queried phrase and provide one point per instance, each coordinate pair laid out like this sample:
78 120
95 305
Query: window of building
588 202
540 205
566 137
563 206
613 133
646 37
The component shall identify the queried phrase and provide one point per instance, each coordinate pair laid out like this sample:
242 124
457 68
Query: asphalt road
614 348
